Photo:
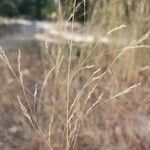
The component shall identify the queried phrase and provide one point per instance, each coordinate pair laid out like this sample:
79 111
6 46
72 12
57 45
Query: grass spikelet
24 110
116 29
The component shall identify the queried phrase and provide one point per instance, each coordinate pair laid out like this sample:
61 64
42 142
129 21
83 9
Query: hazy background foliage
37 9
105 12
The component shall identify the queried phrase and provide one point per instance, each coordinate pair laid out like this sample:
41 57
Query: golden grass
96 99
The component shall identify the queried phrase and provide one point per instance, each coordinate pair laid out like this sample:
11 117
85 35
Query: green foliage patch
33 9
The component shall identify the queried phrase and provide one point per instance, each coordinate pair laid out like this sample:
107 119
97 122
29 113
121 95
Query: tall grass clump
89 95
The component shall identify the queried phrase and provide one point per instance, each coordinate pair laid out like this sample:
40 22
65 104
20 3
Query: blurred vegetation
107 12
32 9
9 8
